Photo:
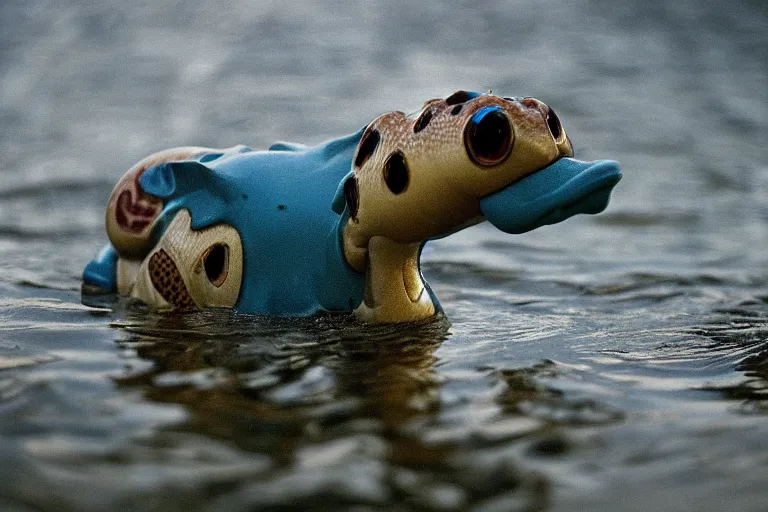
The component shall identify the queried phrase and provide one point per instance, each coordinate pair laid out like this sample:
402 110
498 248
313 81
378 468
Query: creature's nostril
167 280
131 215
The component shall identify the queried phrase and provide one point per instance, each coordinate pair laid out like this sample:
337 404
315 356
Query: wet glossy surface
617 362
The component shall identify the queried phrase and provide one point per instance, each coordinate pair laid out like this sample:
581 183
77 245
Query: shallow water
616 362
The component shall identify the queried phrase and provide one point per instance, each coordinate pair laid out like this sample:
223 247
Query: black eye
553 123
396 173
488 137
216 264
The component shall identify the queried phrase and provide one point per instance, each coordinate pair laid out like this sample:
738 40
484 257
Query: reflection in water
321 396
282 387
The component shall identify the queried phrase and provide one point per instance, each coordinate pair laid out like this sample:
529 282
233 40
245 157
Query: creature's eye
555 128
488 137
216 264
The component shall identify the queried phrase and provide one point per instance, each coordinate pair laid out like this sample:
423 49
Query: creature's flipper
100 275
189 185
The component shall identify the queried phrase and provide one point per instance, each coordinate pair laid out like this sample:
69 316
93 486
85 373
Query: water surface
616 362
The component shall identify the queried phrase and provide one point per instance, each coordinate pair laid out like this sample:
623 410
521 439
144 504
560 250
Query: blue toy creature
339 227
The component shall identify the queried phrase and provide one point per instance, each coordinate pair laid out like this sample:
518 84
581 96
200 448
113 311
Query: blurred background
615 362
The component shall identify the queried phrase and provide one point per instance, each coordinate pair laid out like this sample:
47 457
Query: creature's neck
394 289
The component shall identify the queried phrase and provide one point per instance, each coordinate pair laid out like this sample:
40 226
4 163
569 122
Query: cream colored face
187 269
422 176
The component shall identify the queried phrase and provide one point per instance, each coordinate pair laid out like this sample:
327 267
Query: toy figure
339 227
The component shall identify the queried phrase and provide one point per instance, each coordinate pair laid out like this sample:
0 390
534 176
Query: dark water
617 362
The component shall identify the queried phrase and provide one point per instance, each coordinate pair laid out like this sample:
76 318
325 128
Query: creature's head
464 159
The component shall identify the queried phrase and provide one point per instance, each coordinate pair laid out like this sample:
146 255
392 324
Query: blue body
281 202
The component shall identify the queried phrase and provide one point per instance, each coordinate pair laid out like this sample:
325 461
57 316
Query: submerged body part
339 227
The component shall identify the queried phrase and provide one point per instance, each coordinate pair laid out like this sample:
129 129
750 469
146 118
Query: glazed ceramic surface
297 230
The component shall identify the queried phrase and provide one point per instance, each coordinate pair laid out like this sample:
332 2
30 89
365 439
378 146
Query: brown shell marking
167 280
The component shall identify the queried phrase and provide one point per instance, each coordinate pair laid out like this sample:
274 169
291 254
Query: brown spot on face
422 121
368 145
167 280
458 97
351 196
455 110
396 173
